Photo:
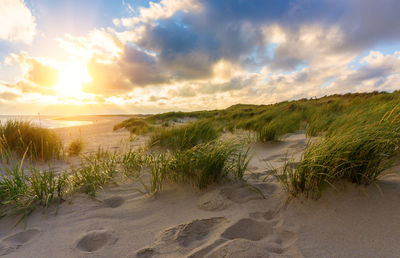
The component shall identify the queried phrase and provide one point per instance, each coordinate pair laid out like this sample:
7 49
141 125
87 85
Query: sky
69 57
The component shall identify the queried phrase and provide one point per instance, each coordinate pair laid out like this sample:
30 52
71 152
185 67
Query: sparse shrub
75 147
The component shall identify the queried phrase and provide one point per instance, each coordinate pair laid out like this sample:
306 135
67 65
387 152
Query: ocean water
45 121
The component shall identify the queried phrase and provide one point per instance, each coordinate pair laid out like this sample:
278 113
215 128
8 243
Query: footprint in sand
250 238
248 229
213 201
239 248
286 238
145 253
15 241
95 240
267 215
113 202
183 237
186 234
240 194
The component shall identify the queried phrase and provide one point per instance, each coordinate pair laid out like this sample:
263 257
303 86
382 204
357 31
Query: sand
229 220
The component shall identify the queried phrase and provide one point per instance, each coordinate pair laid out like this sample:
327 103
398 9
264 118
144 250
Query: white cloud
16 21
163 10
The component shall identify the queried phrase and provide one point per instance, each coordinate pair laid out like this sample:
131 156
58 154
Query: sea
49 122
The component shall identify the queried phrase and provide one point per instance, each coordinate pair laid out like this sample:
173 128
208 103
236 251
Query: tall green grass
357 133
357 153
95 171
21 192
200 166
271 122
21 136
184 136
207 163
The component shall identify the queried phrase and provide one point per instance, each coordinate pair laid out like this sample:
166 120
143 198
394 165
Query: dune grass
207 163
75 147
135 125
184 136
358 133
23 189
357 154
271 122
200 166
21 192
96 170
21 136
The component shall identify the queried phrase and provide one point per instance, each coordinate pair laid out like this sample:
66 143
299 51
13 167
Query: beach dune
228 220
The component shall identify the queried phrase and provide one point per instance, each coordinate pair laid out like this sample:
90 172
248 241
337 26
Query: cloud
41 74
377 72
202 53
141 68
367 22
96 42
107 78
34 70
162 10
212 47
16 22
8 96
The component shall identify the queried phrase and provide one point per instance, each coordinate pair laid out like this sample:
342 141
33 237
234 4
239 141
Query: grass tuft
21 136
135 125
184 136
357 155
21 193
96 171
75 147
201 165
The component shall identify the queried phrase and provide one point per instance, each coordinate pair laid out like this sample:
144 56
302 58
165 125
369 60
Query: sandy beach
228 220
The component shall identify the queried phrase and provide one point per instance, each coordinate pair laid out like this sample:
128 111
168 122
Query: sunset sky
135 56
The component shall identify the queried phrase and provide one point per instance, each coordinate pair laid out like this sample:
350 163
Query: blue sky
134 55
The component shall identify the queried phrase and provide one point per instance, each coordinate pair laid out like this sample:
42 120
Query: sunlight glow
71 77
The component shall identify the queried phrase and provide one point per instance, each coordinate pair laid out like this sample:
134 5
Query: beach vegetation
21 137
135 125
357 154
184 136
200 166
75 147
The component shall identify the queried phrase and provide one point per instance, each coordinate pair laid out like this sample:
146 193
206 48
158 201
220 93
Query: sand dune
229 220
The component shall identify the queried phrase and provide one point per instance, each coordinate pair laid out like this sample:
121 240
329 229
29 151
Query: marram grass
358 154
271 122
200 166
21 192
21 136
184 136
23 189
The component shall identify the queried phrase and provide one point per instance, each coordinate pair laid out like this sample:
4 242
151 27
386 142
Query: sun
72 75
